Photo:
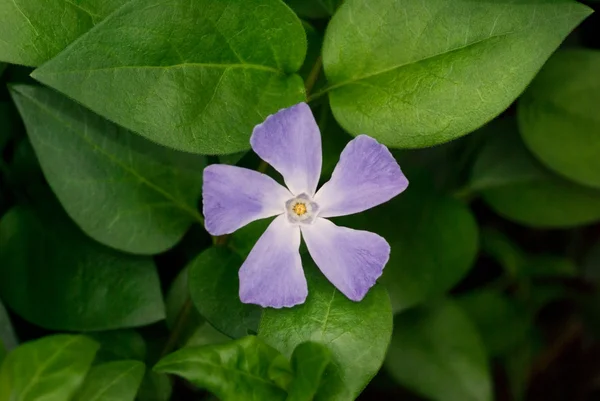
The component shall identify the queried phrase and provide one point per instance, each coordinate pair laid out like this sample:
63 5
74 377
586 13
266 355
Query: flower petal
290 141
352 260
233 197
272 275
367 175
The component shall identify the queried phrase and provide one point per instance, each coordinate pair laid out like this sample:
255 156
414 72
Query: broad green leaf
433 240
79 284
8 339
309 361
314 8
415 73
34 31
243 240
244 369
558 115
112 381
502 322
206 334
214 287
529 194
119 344
197 81
49 369
121 189
436 352
356 333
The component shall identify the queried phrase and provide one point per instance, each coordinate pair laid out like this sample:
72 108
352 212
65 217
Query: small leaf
356 333
503 323
214 287
436 352
558 115
432 248
119 344
198 81
34 31
527 193
79 284
112 381
51 369
415 73
309 361
242 369
155 387
121 189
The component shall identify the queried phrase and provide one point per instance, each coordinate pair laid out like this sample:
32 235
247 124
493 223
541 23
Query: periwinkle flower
352 260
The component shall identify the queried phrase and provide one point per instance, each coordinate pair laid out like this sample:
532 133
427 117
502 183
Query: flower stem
313 76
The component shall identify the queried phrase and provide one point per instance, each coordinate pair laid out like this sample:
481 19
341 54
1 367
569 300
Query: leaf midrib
117 162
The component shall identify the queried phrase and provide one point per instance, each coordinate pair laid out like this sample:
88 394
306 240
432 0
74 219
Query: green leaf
415 73
529 194
309 361
119 344
436 352
121 189
502 322
51 369
502 250
79 284
232 158
558 115
198 81
356 333
432 248
214 287
206 334
34 31
112 381
8 339
242 369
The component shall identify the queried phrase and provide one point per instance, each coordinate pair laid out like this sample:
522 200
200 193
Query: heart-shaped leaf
51 369
415 73
245 369
197 81
121 189
79 284
558 115
356 333
112 381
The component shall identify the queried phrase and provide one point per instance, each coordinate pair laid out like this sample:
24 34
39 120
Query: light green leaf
356 333
314 8
8 339
79 284
243 369
309 361
197 81
155 387
51 369
433 239
558 115
214 287
415 73
206 334
436 352
112 381
34 31
503 323
529 194
119 344
121 189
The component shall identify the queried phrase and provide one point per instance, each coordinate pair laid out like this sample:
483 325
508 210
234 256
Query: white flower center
301 209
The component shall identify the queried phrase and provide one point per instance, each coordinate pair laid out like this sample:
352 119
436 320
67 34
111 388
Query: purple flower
366 176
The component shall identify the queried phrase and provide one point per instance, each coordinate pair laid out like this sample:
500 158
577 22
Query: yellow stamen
299 209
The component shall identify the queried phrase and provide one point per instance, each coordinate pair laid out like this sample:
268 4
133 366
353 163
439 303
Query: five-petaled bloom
365 176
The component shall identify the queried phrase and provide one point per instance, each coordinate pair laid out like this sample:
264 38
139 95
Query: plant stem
313 76
178 327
